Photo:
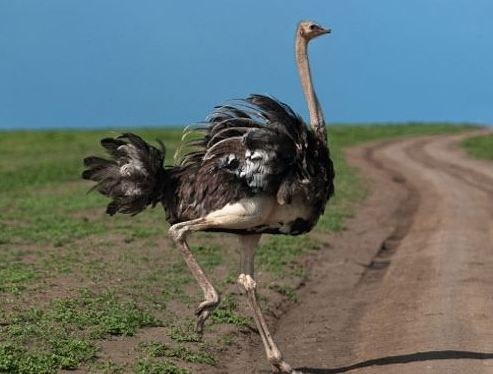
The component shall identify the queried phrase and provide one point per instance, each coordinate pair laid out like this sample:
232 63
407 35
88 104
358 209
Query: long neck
316 115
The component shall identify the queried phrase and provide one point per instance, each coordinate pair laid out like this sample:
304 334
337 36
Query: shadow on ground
403 359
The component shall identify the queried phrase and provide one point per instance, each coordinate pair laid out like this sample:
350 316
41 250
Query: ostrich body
257 169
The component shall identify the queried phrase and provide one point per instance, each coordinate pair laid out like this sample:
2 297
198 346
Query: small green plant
106 367
226 312
184 331
159 349
72 351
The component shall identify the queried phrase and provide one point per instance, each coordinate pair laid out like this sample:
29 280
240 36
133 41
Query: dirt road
408 288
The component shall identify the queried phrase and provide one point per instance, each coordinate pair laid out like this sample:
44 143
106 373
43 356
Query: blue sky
89 63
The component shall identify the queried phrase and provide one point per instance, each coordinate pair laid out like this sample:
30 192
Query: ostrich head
310 30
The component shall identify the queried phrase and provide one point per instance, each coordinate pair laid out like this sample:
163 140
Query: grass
14 274
184 331
101 314
71 277
159 349
278 254
65 354
480 146
64 334
226 312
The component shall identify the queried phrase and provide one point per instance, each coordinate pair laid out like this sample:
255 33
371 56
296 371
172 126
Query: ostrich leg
236 216
245 279
211 297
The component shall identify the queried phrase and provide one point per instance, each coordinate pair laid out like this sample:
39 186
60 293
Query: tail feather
133 178
111 146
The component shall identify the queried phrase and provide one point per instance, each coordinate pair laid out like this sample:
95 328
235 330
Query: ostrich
258 168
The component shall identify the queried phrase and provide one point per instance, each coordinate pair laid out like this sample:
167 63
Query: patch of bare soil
124 350
407 287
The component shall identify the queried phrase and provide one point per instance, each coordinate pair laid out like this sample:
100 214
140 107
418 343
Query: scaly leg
245 279
211 297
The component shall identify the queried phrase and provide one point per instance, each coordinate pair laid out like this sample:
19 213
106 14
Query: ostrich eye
314 27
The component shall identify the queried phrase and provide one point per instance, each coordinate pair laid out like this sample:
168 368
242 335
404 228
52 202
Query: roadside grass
72 278
480 146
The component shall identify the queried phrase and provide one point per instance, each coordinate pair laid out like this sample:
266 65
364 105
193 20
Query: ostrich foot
204 310
284 368
281 367
278 364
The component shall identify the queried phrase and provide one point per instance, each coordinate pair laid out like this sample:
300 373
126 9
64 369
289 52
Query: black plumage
134 176
253 146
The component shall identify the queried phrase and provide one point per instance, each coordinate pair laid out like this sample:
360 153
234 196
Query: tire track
470 176
402 217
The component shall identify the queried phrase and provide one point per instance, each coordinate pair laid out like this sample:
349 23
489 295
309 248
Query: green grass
480 146
71 277
64 354
184 331
278 254
227 312
159 349
14 274
102 314
65 333
158 357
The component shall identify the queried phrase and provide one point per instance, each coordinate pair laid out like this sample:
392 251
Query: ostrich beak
325 30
